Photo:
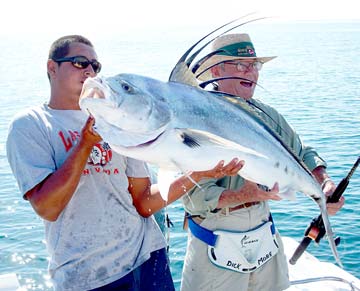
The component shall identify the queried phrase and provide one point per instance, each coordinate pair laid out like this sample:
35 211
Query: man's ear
215 71
51 68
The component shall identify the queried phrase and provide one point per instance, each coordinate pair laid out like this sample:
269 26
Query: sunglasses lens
257 65
241 67
96 66
80 62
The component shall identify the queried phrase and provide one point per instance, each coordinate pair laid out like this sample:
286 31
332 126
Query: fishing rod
316 229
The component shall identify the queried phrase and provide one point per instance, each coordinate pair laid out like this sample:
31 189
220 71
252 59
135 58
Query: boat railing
325 278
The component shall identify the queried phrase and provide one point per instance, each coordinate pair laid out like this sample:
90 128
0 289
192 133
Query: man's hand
328 189
256 193
221 170
89 137
251 192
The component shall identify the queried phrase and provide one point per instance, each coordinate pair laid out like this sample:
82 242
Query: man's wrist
323 183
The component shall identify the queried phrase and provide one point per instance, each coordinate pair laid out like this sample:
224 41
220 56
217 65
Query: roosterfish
178 126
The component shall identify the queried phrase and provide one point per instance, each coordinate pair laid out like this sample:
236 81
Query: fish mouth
94 88
93 92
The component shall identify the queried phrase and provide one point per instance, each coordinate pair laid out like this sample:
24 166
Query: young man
89 196
236 205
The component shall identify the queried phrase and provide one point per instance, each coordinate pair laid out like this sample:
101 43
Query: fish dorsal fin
183 72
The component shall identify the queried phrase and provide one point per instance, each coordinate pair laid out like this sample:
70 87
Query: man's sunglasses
81 62
243 67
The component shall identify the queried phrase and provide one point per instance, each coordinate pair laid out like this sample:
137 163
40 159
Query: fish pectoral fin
165 178
197 138
189 140
288 193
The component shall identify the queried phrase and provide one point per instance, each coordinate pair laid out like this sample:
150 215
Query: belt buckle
247 205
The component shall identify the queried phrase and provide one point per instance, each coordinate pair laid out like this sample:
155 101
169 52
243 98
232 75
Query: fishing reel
316 231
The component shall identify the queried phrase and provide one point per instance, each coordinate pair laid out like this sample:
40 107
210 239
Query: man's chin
245 94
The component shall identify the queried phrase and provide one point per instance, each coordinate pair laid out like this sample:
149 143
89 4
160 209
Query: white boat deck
9 282
308 273
309 267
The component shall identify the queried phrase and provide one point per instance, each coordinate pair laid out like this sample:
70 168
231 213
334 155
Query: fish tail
329 232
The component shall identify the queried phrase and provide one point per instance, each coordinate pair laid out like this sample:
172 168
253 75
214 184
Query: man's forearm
51 196
177 189
247 193
320 174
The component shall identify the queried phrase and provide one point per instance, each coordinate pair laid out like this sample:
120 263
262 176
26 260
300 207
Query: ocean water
314 83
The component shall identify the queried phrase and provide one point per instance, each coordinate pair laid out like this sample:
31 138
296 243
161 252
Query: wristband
324 182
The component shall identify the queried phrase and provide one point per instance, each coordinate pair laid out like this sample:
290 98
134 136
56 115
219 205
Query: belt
245 205
209 237
230 209
225 210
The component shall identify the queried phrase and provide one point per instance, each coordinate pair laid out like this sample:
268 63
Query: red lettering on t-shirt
86 172
74 135
67 142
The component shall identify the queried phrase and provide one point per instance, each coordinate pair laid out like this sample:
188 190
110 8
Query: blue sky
44 16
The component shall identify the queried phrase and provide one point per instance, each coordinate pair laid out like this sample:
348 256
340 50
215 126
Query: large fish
178 126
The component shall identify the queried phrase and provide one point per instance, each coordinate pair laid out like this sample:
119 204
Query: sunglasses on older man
81 62
243 67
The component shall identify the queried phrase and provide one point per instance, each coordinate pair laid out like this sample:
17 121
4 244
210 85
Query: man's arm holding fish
50 196
312 160
307 154
249 192
214 194
217 193
148 200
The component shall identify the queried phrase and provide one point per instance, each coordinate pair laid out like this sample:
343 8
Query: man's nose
89 71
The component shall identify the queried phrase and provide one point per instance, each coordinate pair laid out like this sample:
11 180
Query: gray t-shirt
99 237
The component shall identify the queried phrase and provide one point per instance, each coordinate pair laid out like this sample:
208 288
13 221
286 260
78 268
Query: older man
234 205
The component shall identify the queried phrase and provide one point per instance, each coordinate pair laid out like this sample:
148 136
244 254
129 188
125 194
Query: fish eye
126 87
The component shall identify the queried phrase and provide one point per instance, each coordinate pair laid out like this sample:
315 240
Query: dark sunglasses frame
81 62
